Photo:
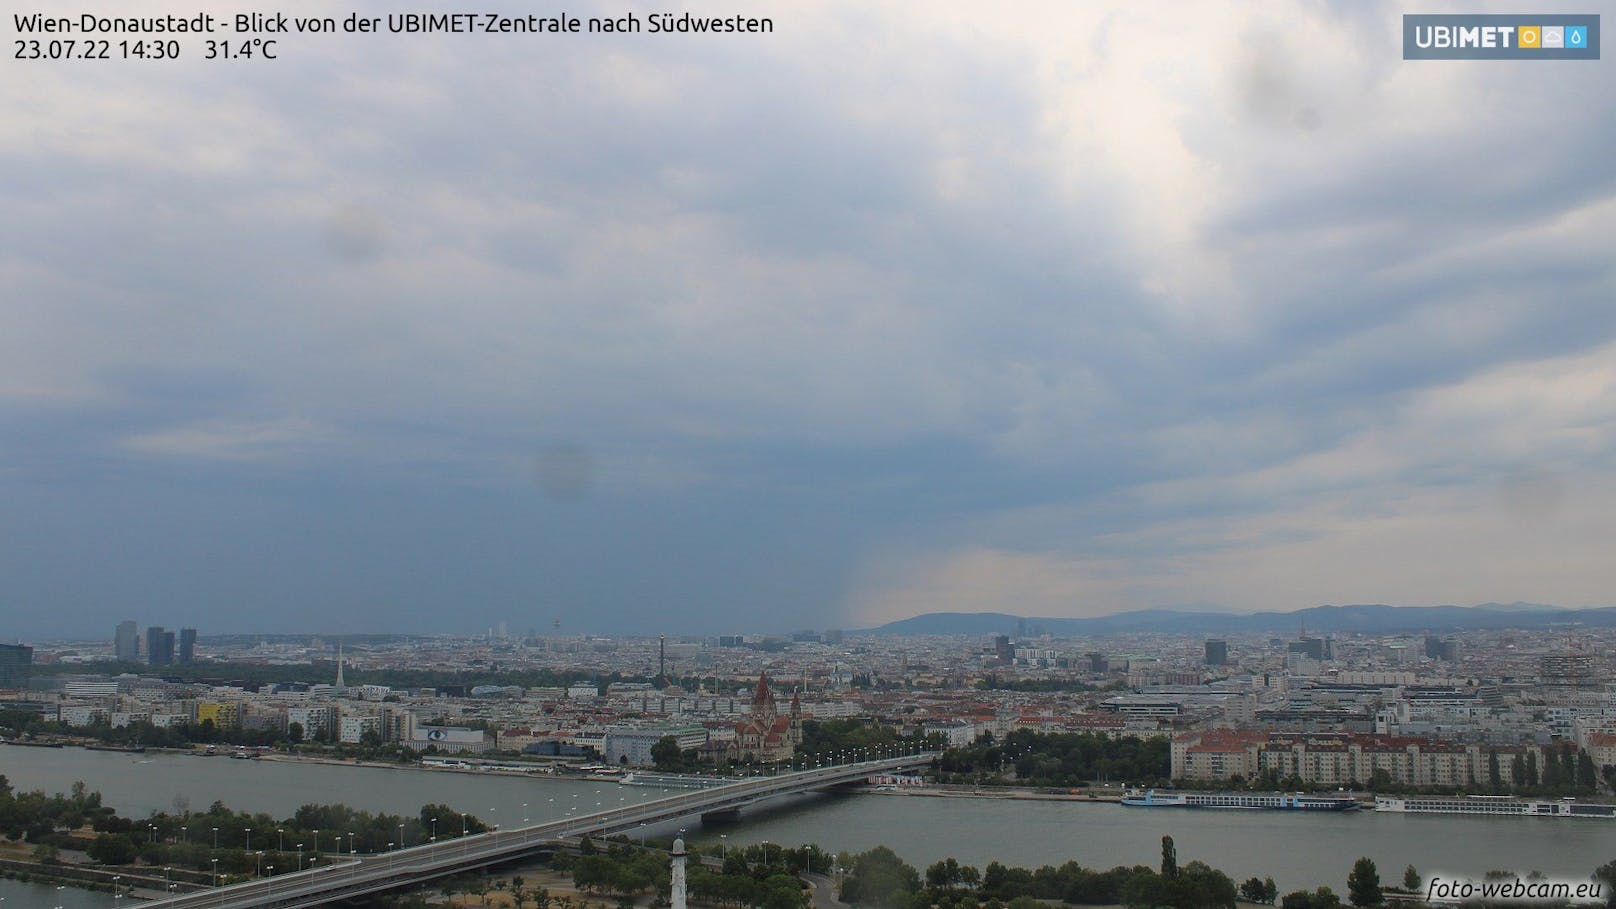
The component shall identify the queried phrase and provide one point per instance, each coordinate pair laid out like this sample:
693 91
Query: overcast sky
1054 309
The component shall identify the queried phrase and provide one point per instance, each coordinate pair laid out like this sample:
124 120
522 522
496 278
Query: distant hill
954 623
1369 619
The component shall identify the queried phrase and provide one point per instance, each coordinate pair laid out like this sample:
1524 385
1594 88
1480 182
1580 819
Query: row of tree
824 739
218 839
879 878
1029 757
746 877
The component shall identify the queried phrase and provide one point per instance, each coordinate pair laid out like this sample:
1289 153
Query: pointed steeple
762 696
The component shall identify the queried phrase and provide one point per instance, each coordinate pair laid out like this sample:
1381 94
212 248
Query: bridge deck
363 874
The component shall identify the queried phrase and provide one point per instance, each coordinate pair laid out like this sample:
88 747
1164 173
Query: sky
1056 309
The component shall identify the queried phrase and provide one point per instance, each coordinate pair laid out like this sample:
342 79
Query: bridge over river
343 877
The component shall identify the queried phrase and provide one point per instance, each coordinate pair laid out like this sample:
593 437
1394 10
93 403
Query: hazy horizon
516 630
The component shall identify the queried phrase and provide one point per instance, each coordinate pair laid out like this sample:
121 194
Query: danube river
1296 850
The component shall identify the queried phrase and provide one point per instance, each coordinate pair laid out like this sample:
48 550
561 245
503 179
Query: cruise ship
1494 806
1283 801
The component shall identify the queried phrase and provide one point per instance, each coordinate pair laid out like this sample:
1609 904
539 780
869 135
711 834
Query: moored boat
1281 801
1494 806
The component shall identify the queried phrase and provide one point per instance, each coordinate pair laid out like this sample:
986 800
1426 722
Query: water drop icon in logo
1576 36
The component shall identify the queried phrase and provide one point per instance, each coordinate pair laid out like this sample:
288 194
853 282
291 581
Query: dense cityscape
1459 722
1496 708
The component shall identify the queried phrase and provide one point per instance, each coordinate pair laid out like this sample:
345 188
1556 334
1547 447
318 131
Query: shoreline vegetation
75 839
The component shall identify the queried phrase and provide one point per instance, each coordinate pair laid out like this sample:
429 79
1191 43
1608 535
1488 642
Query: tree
880 878
782 891
1145 891
1252 890
665 754
1200 886
1325 898
1587 776
594 872
112 849
1606 873
939 876
1411 880
294 732
1363 884
1169 862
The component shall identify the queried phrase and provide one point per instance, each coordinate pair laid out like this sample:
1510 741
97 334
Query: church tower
794 734
763 701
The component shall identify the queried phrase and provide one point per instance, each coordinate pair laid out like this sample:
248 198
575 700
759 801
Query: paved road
824 891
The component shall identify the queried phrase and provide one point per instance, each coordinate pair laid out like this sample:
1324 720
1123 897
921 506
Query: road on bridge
357 875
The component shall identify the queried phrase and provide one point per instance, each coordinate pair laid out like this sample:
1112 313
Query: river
1296 850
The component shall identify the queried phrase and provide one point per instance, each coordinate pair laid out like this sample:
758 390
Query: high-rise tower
126 642
159 646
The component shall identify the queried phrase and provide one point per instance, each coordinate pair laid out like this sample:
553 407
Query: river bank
1298 849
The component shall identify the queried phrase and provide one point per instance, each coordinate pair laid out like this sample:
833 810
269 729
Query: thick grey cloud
1065 309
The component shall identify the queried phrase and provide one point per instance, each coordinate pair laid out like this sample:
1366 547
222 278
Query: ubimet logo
1498 37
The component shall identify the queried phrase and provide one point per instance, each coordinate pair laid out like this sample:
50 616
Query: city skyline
1077 310
1327 618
